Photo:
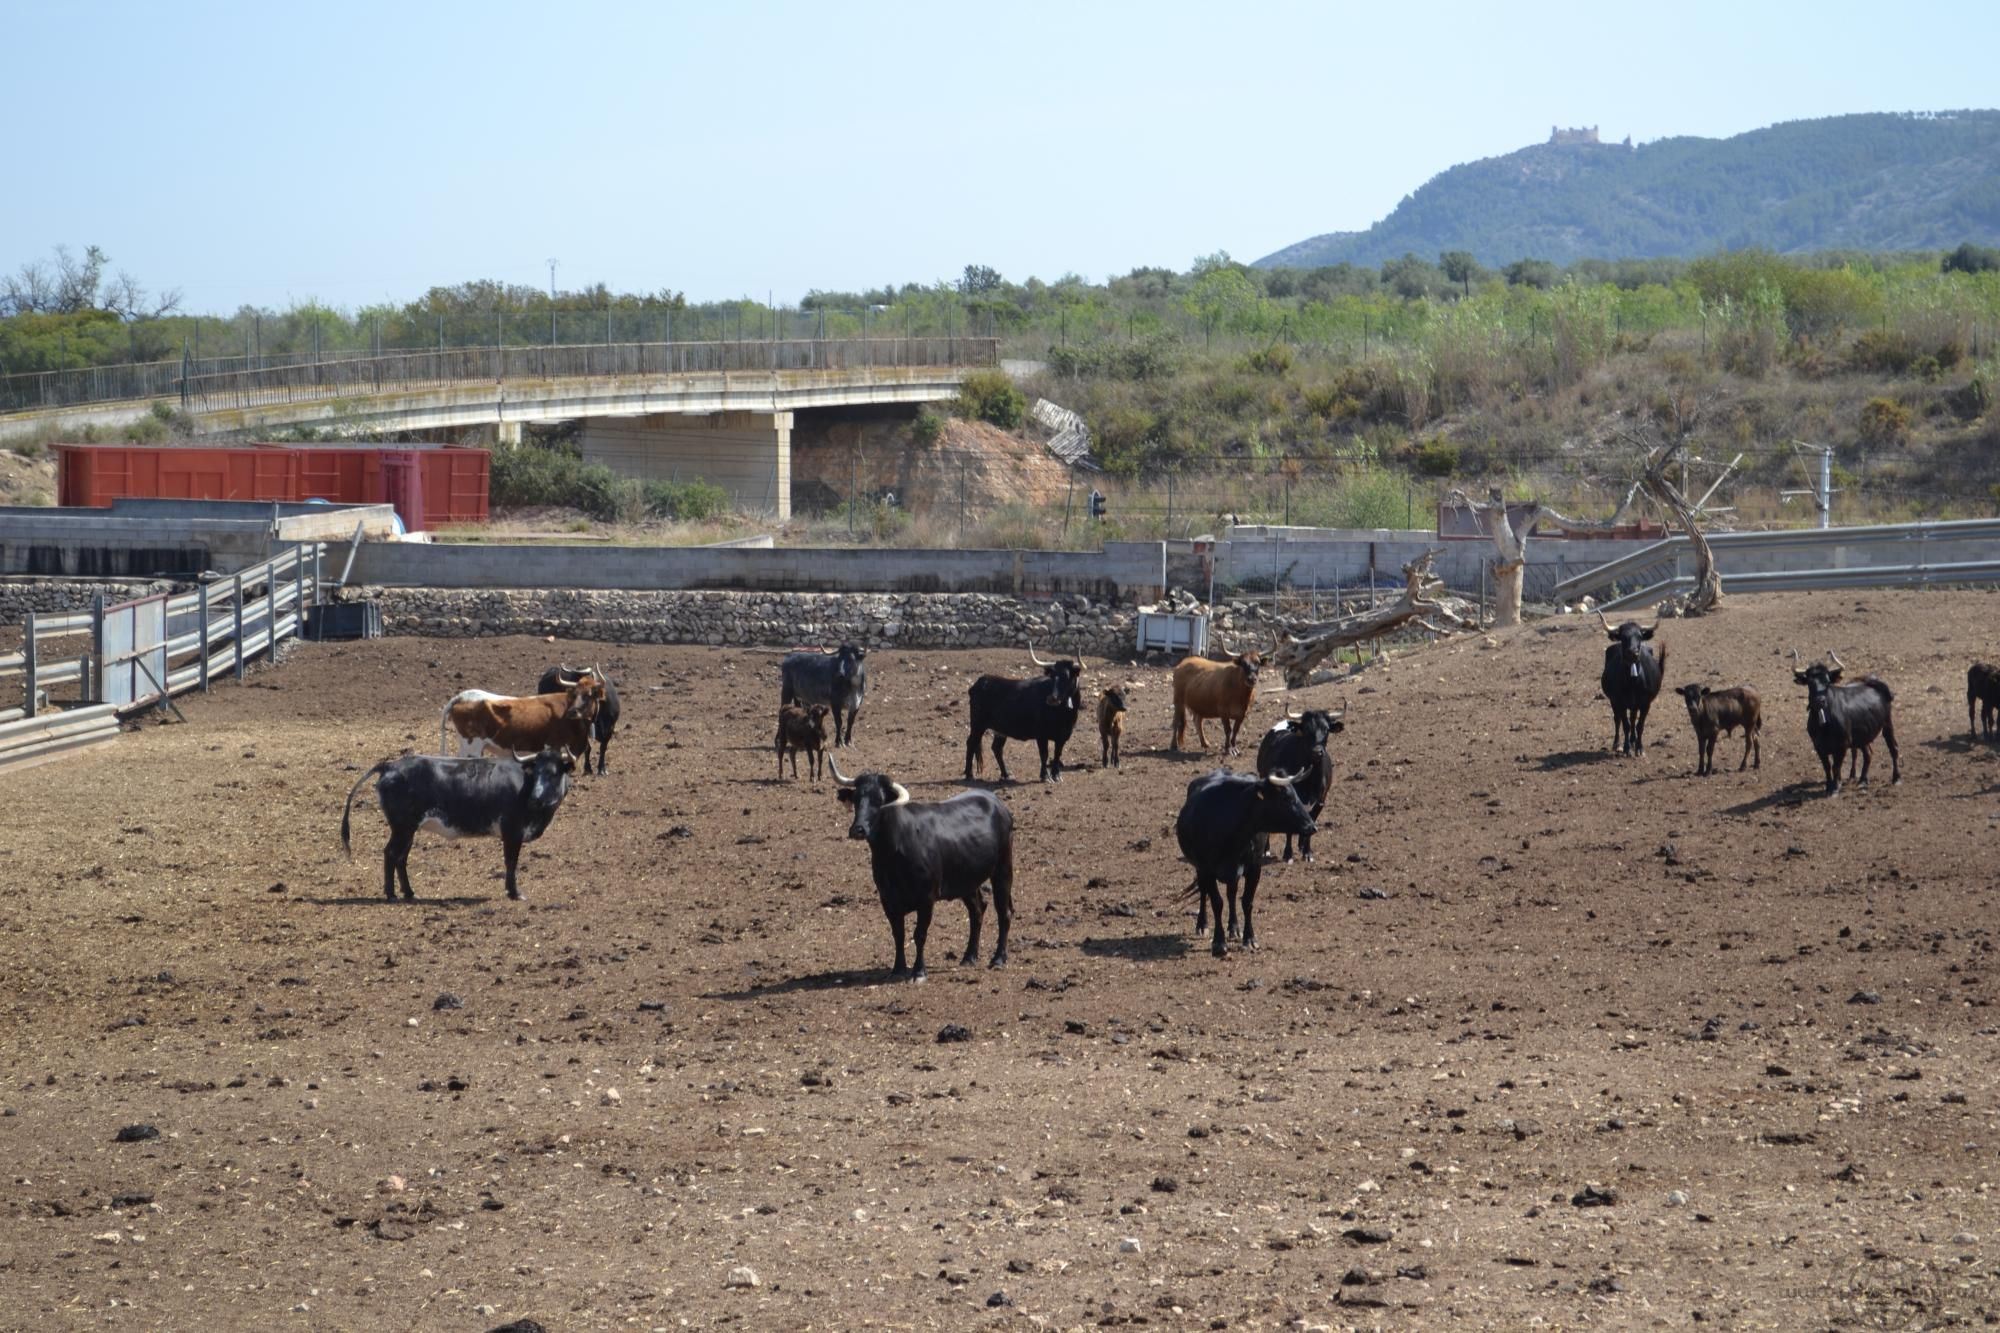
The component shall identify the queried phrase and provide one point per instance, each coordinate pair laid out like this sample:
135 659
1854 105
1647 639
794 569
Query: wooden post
201 610
236 607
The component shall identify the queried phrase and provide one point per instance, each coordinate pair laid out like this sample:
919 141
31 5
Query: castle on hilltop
1579 134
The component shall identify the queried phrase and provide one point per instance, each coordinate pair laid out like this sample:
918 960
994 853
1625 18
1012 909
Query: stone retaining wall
19 597
875 620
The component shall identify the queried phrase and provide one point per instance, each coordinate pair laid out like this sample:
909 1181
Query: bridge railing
210 386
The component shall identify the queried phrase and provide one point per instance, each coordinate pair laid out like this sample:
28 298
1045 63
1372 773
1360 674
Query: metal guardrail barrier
293 380
183 643
1891 538
1858 576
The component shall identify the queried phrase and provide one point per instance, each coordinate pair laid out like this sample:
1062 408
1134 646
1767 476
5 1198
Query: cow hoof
999 960
919 977
1218 950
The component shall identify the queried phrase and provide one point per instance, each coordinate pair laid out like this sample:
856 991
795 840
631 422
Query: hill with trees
1863 182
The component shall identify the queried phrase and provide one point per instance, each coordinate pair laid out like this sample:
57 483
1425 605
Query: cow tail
444 724
347 811
1880 687
1663 661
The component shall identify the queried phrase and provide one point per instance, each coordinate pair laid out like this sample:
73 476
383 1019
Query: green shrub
1885 421
991 396
1885 351
1273 360
1972 401
146 430
927 429
690 501
1436 457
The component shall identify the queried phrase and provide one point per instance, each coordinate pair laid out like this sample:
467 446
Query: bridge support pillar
748 454
506 434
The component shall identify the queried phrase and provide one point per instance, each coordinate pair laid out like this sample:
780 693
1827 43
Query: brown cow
801 729
1222 690
1715 713
521 725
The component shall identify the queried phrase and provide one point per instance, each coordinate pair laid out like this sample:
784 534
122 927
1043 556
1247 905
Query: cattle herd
923 853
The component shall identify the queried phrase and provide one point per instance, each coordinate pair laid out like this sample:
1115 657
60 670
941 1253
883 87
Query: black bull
1222 828
606 720
1043 710
838 679
1298 745
923 854
1847 717
1631 681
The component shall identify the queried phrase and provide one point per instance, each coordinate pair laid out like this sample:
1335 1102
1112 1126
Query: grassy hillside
1864 182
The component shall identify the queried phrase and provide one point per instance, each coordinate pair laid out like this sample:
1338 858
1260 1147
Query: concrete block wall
1122 572
748 454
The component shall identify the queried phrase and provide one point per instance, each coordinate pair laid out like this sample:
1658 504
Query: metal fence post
298 590
236 607
28 654
271 610
201 632
94 677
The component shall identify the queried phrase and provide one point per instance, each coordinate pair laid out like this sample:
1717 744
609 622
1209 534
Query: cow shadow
1562 759
377 900
1137 948
1212 757
1795 793
1960 745
816 981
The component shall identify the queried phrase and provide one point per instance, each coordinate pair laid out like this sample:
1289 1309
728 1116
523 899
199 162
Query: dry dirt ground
1758 1021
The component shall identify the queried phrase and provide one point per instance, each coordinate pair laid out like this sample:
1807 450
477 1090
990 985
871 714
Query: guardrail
146 651
293 380
1805 580
1664 566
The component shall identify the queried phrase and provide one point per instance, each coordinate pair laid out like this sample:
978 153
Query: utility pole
552 302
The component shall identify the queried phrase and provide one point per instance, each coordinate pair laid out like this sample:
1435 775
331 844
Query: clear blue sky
359 152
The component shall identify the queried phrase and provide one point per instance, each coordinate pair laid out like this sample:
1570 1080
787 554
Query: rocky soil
1544 1037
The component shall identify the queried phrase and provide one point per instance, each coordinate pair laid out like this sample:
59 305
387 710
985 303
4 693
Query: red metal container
429 486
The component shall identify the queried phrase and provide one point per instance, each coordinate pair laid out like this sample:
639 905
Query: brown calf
1110 727
525 724
801 729
1717 712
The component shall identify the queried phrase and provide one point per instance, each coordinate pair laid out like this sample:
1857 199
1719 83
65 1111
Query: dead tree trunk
1510 552
1706 595
1296 656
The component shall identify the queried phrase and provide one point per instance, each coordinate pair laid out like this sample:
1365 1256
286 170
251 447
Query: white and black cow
512 799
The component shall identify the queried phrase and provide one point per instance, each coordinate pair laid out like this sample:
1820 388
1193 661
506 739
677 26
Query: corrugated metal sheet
431 486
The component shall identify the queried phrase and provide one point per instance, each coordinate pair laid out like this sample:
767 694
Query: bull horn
1601 620
1795 659
1282 779
900 792
1834 657
839 777
567 682
1038 661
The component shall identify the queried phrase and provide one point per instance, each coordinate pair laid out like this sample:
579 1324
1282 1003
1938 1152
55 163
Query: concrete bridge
722 411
